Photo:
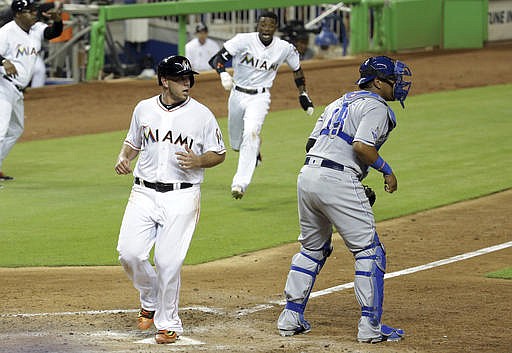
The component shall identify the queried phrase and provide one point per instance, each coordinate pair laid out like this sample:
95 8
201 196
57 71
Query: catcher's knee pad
369 280
305 266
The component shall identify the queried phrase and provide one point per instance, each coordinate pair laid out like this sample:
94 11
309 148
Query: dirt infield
449 308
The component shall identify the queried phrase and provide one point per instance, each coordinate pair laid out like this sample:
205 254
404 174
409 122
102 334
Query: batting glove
226 80
306 103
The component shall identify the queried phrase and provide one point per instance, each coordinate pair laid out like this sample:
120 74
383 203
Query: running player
175 138
256 57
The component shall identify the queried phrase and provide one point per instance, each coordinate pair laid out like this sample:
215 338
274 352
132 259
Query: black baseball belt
326 163
249 90
162 187
19 88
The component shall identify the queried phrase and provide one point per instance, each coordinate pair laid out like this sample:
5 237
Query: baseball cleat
145 319
237 192
297 331
388 334
4 177
166 336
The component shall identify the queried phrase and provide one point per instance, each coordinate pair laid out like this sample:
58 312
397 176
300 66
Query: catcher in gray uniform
343 145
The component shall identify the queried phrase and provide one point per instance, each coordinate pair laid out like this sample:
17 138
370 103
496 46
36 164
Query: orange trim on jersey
126 142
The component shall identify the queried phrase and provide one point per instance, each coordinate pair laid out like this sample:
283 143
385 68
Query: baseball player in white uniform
200 49
175 138
20 43
343 145
256 57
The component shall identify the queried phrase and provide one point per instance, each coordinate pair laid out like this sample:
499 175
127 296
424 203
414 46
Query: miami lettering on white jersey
255 65
21 48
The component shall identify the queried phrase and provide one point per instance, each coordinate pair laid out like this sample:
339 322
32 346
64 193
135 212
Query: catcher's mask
173 66
385 68
20 5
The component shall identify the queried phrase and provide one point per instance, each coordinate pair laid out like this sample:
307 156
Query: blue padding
298 308
303 270
349 139
371 257
312 258
363 273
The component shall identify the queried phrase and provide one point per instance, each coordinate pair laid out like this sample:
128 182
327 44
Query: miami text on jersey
21 50
149 136
257 63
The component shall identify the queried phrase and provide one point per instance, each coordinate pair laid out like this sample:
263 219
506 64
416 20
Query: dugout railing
375 25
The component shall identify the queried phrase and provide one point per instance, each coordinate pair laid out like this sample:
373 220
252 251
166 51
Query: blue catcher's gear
385 68
305 266
369 288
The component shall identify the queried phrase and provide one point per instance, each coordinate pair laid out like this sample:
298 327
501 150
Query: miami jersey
159 133
255 65
21 49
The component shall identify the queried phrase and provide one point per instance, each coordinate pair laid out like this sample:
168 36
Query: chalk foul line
261 307
412 269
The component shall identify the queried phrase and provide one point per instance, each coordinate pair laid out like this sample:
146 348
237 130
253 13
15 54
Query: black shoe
4 177
259 160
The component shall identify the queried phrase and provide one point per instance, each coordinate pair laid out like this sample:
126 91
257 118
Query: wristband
381 165
299 82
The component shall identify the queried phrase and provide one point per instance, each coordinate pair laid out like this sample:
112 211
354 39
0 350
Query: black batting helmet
175 65
20 5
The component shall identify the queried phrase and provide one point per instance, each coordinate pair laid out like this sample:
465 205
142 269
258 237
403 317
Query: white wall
499 18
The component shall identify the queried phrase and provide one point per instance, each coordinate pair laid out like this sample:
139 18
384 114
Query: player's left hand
390 183
188 159
370 194
306 103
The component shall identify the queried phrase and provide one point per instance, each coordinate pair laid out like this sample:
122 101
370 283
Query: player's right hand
10 69
123 166
226 80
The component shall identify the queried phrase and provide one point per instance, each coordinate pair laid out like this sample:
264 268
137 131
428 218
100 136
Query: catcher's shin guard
305 266
369 287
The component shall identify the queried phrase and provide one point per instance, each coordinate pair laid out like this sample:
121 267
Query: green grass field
505 273
66 205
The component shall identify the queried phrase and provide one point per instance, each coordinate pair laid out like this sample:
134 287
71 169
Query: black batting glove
306 103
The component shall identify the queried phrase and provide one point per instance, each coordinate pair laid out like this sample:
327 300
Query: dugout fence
371 26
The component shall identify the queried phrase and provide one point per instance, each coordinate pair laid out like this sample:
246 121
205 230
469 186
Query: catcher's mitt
370 194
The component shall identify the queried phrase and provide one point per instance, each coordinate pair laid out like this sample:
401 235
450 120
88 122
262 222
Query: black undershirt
169 106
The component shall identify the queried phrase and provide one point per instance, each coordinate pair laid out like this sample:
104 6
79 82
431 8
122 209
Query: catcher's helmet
385 68
175 65
20 5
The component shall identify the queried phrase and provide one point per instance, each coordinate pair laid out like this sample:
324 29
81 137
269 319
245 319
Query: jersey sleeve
315 134
213 140
293 58
39 27
234 45
374 124
134 136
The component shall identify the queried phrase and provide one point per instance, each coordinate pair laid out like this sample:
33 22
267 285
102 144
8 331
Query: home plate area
181 341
